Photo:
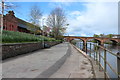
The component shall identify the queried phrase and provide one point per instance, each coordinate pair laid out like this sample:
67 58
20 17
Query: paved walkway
34 64
60 61
76 66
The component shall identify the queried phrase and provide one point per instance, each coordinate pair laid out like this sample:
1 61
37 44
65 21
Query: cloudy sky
85 17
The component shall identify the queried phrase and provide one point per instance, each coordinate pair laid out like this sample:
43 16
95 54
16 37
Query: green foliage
94 41
11 37
119 44
74 42
102 35
108 42
110 35
47 38
95 35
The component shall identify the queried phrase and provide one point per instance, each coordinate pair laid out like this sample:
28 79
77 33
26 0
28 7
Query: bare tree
35 14
57 20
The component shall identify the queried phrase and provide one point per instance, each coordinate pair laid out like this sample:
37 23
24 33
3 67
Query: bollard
118 64
105 58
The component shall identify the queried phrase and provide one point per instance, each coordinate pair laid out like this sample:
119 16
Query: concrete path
60 61
38 64
76 66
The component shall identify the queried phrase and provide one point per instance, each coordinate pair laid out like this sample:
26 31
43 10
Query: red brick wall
10 22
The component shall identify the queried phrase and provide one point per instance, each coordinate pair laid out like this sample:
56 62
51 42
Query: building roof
24 24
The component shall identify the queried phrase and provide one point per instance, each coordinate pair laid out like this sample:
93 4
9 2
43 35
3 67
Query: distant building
116 36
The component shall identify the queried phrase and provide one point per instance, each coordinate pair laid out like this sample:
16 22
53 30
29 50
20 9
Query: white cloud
43 19
76 13
98 18
83 34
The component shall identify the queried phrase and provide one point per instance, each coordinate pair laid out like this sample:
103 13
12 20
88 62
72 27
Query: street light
43 31
2 15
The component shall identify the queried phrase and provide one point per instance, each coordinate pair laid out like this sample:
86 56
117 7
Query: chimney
11 13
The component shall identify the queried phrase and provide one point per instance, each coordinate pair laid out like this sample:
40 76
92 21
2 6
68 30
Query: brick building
12 23
22 27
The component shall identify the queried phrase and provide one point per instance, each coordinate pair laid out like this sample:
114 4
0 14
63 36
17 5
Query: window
9 28
12 27
3 27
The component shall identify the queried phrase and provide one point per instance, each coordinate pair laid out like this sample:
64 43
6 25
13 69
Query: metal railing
96 54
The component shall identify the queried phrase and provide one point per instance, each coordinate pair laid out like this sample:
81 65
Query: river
110 58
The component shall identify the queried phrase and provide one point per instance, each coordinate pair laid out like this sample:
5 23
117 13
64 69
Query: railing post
94 51
86 47
96 54
81 45
99 60
90 49
105 58
118 64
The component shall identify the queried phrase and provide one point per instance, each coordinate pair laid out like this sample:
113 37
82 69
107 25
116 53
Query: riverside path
60 61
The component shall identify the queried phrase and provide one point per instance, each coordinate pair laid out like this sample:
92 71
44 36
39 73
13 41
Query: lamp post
43 31
2 16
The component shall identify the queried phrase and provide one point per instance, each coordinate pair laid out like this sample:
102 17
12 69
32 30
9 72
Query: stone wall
52 43
14 49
